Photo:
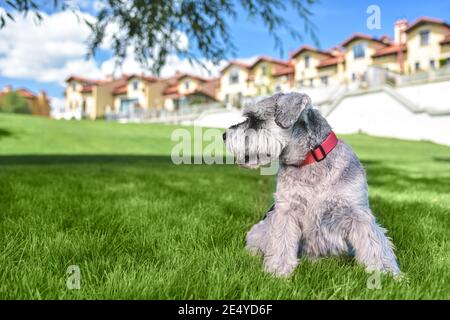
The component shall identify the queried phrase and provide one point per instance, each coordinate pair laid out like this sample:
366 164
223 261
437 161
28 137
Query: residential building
268 75
39 104
87 98
137 92
263 76
234 83
423 45
305 60
427 44
185 89
359 50
80 97
331 70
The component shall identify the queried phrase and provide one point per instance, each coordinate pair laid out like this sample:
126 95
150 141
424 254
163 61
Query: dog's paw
280 269
254 251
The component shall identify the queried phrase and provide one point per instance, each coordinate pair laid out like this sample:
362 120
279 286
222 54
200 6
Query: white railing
184 113
424 76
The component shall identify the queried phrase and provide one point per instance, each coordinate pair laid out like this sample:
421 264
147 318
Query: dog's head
272 128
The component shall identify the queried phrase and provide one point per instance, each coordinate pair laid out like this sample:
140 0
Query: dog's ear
289 108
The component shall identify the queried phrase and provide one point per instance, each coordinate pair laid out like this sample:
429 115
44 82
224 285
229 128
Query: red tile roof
283 70
392 49
357 36
175 94
307 48
236 63
268 59
425 20
121 89
255 62
173 89
87 89
84 80
446 40
331 61
143 77
25 93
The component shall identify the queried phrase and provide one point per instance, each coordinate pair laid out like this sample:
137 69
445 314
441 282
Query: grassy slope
106 197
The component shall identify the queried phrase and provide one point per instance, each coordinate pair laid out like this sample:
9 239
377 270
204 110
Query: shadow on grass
5 133
82 159
88 159
395 179
440 159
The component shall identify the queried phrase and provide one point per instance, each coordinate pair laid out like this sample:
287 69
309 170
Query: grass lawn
106 197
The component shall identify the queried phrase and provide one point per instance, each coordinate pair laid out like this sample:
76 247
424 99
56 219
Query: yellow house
331 71
283 78
234 83
390 58
359 51
87 98
305 61
264 76
39 104
426 44
267 75
445 51
185 89
136 92
80 96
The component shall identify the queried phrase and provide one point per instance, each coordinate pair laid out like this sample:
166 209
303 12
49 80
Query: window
278 88
187 84
417 66
424 37
74 86
234 76
432 64
353 76
135 85
264 70
359 51
306 62
324 80
311 83
300 83
227 98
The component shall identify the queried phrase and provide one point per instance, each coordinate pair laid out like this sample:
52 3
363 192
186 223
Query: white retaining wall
379 114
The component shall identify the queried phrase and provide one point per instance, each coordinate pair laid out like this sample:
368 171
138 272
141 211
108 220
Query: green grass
106 197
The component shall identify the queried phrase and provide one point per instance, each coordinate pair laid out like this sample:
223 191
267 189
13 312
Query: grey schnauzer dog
320 209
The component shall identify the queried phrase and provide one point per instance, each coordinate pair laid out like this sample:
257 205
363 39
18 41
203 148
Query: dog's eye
254 122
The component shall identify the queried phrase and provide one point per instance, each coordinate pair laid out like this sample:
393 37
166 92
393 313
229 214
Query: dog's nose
224 136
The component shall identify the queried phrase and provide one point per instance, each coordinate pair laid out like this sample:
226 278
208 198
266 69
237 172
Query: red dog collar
320 152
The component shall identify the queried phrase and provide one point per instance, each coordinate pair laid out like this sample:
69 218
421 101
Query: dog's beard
253 148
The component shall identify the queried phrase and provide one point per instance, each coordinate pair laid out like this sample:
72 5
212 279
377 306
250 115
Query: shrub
12 102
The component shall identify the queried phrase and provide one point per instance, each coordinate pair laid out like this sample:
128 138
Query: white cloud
172 65
51 51
48 51
248 61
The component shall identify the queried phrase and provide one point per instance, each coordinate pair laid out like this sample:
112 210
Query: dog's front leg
372 247
283 240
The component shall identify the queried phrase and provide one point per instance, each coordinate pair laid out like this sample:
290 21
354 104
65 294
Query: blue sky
335 21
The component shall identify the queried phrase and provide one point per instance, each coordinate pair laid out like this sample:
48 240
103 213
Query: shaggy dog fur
320 209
